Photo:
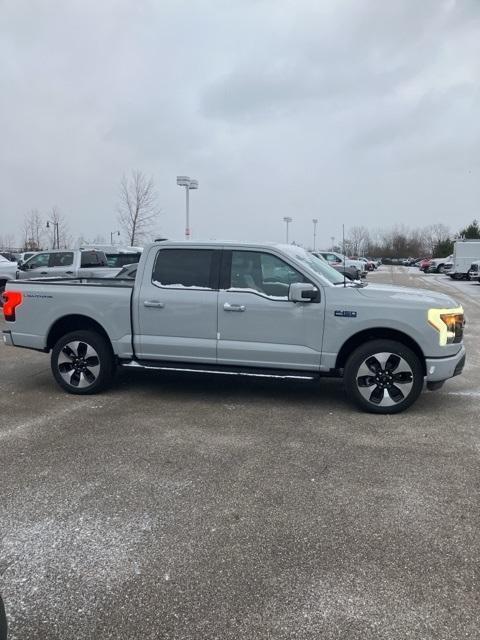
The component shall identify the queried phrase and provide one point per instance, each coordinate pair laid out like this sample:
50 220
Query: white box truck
464 253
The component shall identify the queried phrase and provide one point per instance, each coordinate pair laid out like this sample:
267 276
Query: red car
424 264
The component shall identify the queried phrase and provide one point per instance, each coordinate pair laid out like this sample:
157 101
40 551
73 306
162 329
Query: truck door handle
70 273
153 304
234 307
44 273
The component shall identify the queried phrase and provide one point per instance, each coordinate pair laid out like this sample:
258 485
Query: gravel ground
203 507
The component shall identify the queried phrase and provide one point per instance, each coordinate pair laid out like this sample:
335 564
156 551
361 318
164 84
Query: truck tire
440 268
3 621
383 376
83 362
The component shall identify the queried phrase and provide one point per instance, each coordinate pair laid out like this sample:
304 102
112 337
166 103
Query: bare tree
33 230
7 242
358 240
434 235
137 207
58 232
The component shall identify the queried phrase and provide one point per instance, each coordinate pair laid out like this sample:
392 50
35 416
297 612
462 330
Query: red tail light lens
11 300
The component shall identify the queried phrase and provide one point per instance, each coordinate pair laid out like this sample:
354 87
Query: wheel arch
74 322
378 333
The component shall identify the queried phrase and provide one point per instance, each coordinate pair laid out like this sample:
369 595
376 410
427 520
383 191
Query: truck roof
225 243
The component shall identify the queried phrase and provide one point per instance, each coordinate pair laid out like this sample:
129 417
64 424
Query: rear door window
92 259
63 259
185 268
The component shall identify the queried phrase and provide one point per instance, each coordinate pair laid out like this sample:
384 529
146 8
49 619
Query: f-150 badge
346 314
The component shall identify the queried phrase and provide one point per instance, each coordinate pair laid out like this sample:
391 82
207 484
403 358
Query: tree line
401 242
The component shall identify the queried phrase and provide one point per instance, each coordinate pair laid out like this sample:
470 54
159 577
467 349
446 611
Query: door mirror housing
303 292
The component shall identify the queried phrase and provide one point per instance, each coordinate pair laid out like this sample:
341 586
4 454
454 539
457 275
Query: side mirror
303 292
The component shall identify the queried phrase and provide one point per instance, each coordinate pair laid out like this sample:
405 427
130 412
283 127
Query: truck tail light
11 300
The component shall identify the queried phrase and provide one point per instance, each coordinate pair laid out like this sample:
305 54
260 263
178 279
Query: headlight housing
449 323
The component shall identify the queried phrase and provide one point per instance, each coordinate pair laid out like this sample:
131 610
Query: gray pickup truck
244 309
62 263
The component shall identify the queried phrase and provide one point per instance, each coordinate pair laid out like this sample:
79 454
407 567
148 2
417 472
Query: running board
284 374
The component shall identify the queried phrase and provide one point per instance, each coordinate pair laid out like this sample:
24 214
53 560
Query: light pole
332 238
287 221
188 183
113 233
56 239
315 222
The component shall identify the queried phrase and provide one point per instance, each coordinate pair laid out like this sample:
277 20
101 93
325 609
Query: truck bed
45 302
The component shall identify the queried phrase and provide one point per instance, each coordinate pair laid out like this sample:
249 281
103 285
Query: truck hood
420 297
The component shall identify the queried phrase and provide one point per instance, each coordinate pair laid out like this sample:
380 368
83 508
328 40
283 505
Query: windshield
321 267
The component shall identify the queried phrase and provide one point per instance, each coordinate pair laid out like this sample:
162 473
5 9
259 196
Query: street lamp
287 221
113 233
56 239
188 183
315 222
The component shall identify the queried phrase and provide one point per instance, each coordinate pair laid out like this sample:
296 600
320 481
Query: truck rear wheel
383 376
82 362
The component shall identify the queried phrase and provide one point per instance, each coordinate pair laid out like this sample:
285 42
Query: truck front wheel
383 376
82 362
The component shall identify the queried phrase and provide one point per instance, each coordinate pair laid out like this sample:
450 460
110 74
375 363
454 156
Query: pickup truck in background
117 256
61 263
241 309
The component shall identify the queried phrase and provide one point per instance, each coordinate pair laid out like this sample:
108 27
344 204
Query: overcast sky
354 111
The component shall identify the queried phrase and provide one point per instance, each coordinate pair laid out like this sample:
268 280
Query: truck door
35 267
60 264
176 306
258 325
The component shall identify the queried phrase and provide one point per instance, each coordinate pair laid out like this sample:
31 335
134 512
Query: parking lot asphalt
209 507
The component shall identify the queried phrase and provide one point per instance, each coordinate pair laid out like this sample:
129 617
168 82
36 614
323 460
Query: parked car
370 265
241 309
59 263
9 255
352 273
22 257
336 259
425 264
437 265
7 271
474 271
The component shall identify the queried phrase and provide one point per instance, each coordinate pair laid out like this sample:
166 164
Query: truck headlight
449 323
